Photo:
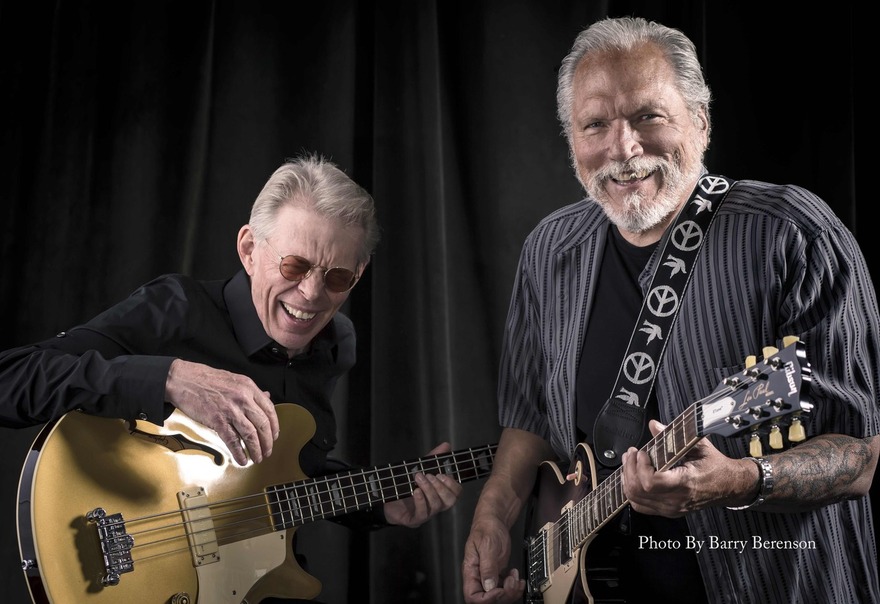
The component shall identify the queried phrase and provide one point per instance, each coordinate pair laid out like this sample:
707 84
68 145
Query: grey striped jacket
776 262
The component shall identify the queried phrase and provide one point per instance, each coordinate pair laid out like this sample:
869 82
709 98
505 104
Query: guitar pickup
199 526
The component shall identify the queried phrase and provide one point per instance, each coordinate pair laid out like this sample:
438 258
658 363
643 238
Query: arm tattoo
820 471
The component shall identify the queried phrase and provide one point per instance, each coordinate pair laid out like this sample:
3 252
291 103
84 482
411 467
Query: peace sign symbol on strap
662 301
714 185
639 368
687 236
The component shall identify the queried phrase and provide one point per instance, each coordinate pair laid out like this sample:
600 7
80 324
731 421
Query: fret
290 507
450 467
610 497
409 476
298 498
473 462
274 505
285 507
374 488
678 438
410 484
337 498
591 517
314 501
354 490
659 448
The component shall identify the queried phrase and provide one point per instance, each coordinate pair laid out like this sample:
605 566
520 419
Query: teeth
305 316
631 175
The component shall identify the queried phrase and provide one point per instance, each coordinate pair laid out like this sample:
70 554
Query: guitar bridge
116 545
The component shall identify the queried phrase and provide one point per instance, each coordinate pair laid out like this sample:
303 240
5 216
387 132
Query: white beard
639 214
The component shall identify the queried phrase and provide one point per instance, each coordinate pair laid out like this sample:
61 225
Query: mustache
623 170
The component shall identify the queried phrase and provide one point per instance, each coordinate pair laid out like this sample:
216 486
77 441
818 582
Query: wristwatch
765 470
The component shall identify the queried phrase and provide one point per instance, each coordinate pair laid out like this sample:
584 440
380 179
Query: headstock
767 394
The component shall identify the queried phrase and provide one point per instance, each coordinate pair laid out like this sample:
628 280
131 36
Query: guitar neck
607 499
296 503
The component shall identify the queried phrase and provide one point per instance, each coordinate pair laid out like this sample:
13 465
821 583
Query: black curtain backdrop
136 135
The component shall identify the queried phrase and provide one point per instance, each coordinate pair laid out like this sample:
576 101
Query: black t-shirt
638 571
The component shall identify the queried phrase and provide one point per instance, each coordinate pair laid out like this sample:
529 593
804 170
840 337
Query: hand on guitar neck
435 493
704 477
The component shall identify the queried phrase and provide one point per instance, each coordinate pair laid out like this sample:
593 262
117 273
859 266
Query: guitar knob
775 437
751 361
796 431
789 340
181 598
755 448
769 351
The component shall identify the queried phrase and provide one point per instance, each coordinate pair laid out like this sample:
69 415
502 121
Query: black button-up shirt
116 364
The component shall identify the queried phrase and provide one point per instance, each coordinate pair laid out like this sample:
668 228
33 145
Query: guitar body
81 463
592 574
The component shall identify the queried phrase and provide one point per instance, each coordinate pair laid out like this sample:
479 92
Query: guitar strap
622 419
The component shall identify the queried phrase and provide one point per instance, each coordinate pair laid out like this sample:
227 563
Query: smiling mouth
298 314
626 177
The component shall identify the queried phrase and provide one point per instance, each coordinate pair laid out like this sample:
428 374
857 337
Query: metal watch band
766 481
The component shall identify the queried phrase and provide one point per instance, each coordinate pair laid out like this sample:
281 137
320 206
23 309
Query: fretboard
303 501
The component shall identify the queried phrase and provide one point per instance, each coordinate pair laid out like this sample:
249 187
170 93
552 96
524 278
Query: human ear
245 245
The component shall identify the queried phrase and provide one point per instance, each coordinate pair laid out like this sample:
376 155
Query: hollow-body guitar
117 511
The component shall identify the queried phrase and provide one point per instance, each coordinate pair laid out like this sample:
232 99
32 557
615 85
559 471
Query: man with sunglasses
223 352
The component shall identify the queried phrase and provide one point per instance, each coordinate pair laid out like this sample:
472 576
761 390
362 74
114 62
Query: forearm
42 383
513 475
821 471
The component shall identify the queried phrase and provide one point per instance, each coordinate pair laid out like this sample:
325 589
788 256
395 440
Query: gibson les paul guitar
764 395
113 511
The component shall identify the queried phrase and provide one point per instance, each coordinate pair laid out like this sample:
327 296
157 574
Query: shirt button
274 350
142 416
61 334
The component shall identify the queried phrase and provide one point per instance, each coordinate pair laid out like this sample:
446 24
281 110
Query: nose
624 143
312 286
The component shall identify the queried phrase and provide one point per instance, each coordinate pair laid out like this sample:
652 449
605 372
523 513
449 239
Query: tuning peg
769 351
755 448
789 340
751 360
796 431
775 437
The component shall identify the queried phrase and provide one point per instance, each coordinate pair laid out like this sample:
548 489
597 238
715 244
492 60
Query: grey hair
627 33
313 182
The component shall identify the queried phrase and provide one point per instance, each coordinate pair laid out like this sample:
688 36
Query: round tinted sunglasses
296 268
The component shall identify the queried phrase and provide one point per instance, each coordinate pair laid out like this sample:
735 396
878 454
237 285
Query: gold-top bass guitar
117 511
